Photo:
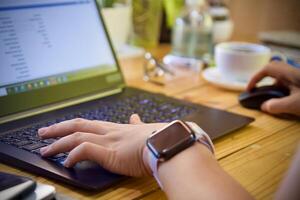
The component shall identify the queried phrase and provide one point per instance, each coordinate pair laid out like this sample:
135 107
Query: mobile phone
15 187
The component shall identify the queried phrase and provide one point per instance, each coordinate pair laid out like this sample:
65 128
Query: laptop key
60 155
31 147
22 143
36 151
34 138
59 158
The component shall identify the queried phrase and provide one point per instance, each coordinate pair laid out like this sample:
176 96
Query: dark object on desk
257 96
15 187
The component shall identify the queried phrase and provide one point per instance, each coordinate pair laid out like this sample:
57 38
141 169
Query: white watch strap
153 161
201 137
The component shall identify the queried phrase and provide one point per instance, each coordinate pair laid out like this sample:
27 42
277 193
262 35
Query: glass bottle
192 31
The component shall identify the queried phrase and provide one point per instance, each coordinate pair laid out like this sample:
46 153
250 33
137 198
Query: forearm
290 186
195 174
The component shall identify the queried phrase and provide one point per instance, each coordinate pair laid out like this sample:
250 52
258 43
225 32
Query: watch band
153 162
201 137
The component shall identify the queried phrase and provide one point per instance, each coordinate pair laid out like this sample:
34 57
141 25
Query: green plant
106 3
111 3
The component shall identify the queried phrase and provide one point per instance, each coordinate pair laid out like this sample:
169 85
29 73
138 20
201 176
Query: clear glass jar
192 31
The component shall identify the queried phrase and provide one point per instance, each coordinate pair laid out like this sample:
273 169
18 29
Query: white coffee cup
239 61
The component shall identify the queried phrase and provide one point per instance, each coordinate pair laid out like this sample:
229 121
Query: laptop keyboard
150 108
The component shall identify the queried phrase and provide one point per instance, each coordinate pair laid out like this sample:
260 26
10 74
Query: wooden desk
257 156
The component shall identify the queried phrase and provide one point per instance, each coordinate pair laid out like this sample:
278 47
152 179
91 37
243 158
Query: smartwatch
177 136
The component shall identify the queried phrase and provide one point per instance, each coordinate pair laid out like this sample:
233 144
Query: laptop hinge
56 106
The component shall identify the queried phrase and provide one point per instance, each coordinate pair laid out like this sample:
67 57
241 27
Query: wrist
186 157
181 163
186 169
183 136
180 160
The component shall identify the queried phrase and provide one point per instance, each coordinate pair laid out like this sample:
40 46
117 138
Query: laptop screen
52 50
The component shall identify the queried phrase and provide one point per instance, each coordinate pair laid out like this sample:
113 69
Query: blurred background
136 25
254 16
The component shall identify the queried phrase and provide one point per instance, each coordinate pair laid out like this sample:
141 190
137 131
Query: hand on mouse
286 76
119 148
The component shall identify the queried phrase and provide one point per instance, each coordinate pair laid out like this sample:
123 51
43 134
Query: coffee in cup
239 61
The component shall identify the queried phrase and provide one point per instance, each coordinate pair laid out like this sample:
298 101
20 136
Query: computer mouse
255 98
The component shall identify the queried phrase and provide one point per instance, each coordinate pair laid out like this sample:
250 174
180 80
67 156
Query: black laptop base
87 175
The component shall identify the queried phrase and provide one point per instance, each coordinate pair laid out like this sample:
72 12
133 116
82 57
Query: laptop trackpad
217 122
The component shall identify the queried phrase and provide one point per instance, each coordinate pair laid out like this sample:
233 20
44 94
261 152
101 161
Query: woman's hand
118 148
286 76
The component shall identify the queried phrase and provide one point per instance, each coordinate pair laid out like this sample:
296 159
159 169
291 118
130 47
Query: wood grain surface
257 156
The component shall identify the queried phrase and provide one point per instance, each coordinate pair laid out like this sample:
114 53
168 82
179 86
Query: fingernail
43 150
67 163
42 131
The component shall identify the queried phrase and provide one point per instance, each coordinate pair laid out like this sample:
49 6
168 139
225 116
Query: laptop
57 63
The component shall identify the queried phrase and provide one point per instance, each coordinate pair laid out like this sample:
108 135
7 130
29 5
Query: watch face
170 140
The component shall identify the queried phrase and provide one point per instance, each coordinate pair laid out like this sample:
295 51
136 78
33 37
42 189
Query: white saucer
213 76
